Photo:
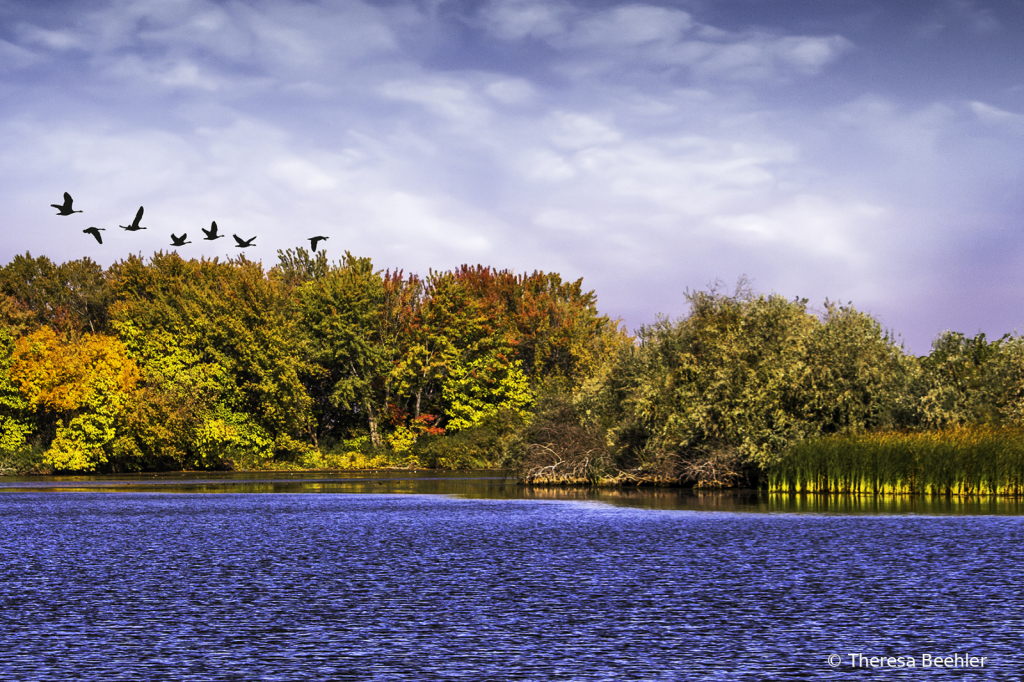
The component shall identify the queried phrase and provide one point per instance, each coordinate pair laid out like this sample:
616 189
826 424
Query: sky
864 151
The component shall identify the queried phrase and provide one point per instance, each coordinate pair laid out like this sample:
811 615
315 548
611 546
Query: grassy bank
974 460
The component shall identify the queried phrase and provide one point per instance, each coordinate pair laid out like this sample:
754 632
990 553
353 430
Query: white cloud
180 73
301 174
545 166
810 54
445 97
913 133
639 34
816 226
576 131
995 116
631 144
519 19
54 40
756 57
511 90
629 26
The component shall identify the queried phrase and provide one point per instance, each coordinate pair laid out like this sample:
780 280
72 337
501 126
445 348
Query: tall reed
973 460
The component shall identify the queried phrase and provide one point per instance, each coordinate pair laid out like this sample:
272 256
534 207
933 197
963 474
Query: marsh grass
975 460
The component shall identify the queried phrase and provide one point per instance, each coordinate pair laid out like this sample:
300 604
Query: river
399 576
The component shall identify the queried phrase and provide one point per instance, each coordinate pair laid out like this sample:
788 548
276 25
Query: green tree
969 381
447 326
857 376
231 315
184 416
349 343
741 378
73 296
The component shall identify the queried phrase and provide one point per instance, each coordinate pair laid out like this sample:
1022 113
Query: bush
28 459
559 448
495 441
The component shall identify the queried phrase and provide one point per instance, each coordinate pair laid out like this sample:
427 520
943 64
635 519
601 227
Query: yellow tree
14 427
84 385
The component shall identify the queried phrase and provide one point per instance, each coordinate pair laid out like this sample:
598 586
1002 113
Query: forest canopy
165 363
172 363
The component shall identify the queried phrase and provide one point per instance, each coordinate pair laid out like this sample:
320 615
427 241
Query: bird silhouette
242 243
135 223
179 241
211 234
95 232
313 241
65 208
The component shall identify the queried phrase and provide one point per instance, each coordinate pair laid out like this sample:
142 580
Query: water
380 586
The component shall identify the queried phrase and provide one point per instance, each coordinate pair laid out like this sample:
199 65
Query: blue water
145 586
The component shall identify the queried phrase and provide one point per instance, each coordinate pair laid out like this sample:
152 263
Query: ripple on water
417 587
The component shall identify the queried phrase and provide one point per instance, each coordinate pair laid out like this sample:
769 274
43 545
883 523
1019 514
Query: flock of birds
211 234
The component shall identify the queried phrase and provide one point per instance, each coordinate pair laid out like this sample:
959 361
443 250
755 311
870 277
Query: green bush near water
969 460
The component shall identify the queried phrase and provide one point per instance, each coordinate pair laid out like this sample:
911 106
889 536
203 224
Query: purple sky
865 151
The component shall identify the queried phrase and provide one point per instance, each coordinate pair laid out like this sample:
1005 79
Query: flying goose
135 223
65 208
211 234
95 232
242 243
179 241
313 241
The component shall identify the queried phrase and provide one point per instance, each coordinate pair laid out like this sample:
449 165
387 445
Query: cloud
511 90
643 147
201 44
577 131
958 14
180 73
519 19
1001 118
445 97
629 26
816 226
655 36
53 40
760 57
905 134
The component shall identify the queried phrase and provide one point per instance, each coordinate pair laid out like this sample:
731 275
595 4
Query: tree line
166 363
725 395
169 363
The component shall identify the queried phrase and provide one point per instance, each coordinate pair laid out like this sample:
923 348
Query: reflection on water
503 486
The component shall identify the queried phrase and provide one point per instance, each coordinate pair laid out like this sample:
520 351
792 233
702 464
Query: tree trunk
372 418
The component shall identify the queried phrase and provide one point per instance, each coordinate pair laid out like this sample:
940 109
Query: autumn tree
82 388
229 315
73 296
15 426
